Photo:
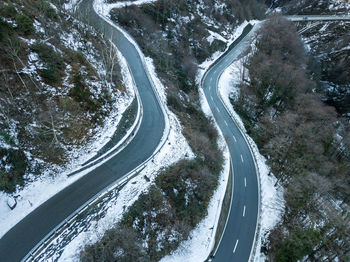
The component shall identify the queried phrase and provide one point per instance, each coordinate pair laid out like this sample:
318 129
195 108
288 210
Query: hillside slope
328 43
60 81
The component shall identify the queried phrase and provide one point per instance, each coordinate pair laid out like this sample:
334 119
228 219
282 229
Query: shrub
174 102
8 139
300 244
8 10
25 24
118 244
13 176
5 29
47 9
81 93
53 62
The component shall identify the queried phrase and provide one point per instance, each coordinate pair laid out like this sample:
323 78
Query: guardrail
245 32
306 18
66 222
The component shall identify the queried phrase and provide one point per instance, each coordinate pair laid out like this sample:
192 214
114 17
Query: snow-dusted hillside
329 44
64 90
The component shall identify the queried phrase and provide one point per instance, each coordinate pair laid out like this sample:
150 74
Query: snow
214 36
339 4
47 185
104 8
71 5
272 202
203 67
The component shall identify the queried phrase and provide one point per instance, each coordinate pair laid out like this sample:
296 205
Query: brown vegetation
303 140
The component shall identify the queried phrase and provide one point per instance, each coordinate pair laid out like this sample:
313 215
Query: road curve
17 242
239 235
238 239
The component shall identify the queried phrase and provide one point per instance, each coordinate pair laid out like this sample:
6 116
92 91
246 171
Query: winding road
239 235
17 242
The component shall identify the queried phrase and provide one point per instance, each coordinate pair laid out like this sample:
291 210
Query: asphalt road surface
17 242
238 237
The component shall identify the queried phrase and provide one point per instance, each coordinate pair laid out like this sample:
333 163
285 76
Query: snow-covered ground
47 185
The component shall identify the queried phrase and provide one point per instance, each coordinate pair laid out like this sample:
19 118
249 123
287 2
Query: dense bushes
25 24
120 242
296 132
48 116
299 245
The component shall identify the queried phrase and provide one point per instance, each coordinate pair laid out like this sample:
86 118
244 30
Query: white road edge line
245 182
242 158
234 250
244 211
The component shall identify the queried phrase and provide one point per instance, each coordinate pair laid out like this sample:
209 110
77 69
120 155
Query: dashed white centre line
234 249
218 110
211 97
225 123
235 138
244 210
245 182
242 158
